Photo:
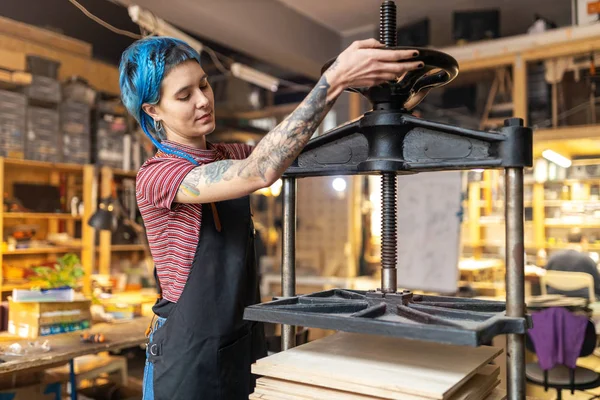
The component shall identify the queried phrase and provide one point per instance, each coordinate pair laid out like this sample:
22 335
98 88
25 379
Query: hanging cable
214 55
104 23
216 61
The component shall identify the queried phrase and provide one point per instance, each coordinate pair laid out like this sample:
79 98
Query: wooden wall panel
101 76
45 37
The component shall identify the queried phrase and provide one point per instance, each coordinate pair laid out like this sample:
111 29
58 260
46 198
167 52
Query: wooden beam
106 177
12 60
1 219
567 132
519 93
539 216
88 234
485 63
553 43
563 49
474 212
45 37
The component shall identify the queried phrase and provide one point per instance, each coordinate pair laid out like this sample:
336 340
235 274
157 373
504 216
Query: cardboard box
31 320
123 310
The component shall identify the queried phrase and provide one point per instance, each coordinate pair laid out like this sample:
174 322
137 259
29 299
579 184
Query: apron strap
158 287
216 217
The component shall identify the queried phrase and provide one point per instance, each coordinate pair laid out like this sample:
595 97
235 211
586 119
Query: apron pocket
234 369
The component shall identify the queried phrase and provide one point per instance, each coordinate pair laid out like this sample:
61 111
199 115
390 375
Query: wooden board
272 387
499 394
478 387
379 366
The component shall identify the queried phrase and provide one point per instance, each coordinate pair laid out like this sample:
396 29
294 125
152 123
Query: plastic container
37 65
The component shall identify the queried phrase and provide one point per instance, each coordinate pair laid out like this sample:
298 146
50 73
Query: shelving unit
108 252
29 215
537 229
78 180
94 258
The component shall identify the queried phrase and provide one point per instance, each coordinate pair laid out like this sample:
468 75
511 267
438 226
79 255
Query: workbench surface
67 346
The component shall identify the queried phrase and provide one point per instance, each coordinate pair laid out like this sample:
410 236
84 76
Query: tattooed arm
362 64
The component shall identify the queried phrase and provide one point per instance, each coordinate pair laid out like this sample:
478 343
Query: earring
157 126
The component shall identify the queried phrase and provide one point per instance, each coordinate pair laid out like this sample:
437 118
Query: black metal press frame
390 142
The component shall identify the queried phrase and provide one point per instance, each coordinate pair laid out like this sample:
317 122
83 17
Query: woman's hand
365 63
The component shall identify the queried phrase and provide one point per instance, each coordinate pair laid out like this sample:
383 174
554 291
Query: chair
568 281
561 377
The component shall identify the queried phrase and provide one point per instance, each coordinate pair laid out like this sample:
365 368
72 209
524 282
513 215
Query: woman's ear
151 110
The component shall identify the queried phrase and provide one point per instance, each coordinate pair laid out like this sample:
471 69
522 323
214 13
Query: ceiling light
254 76
556 158
275 188
339 184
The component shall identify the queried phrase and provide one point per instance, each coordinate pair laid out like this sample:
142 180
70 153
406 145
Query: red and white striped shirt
172 228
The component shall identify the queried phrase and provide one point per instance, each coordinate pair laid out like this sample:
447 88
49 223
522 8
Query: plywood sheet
477 388
378 366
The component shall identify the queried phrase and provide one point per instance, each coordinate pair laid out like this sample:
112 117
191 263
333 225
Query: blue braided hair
143 66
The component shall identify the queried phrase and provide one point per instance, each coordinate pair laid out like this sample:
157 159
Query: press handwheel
439 69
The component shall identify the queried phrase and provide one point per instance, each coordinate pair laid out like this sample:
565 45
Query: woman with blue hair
193 197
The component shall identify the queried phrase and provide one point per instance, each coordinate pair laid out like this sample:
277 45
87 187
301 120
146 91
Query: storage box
44 89
79 92
45 118
43 139
12 139
123 310
42 66
31 320
43 296
110 136
75 148
13 97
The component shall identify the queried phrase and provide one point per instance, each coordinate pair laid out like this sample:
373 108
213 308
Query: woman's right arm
361 64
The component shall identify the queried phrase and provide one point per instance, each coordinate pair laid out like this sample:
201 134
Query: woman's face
186 104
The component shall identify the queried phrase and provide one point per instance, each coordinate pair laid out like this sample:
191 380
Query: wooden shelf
33 215
8 287
43 250
14 162
558 224
558 246
558 203
493 244
125 174
125 247
572 181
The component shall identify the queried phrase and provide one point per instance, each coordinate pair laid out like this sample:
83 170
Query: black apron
205 349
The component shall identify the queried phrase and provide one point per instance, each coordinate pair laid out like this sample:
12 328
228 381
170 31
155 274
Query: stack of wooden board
347 366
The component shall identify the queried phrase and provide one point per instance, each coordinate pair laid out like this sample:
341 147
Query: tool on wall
390 142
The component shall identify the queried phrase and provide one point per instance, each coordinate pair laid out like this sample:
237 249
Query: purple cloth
557 335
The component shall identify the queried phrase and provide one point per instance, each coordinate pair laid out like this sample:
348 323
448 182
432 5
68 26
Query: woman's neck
196 142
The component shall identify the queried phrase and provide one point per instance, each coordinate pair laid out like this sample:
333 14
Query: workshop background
69 154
